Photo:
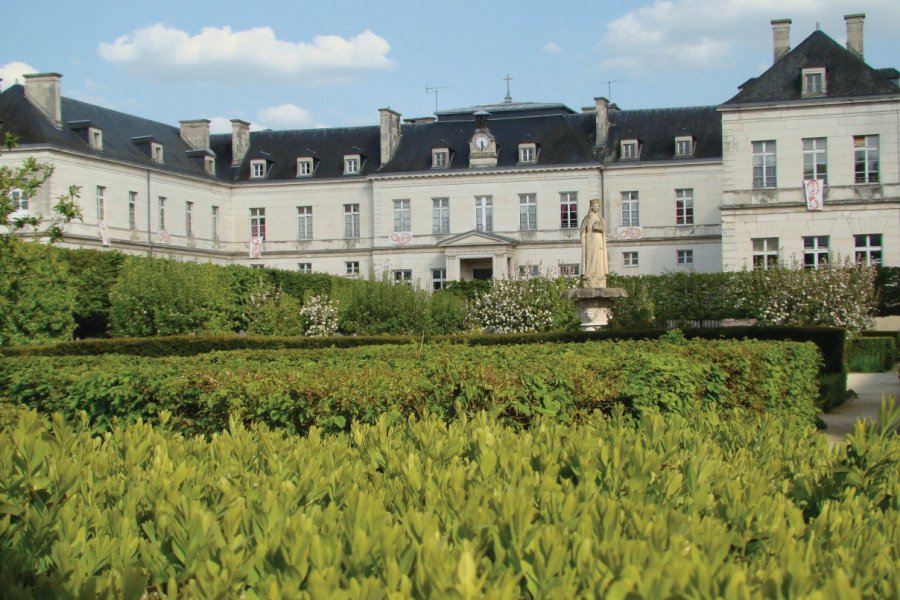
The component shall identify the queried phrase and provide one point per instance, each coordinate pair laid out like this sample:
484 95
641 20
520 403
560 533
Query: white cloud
287 116
222 55
684 35
551 48
13 71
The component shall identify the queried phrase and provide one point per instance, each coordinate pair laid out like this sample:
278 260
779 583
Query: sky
295 64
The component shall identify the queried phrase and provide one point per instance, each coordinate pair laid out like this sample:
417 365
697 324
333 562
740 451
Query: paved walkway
869 387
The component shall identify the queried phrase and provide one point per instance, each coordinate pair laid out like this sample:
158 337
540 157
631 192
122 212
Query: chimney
390 133
240 140
601 108
43 90
781 33
855 33
196 133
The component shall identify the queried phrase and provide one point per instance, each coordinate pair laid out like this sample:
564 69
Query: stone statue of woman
593 248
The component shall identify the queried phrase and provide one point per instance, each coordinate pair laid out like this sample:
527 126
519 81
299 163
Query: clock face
481 142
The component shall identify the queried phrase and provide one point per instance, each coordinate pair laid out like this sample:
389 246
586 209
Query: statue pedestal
593 305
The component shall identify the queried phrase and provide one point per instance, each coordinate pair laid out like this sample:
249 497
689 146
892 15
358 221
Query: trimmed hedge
869 354
296 389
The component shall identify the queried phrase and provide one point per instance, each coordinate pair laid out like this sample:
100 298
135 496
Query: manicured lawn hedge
697 506
869 354
296 389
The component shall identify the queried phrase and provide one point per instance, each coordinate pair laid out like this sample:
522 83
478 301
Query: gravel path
869 387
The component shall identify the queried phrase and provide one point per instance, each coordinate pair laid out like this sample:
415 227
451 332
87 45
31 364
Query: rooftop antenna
508 99
435 89
609 83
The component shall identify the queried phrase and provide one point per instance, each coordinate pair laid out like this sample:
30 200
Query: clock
482 141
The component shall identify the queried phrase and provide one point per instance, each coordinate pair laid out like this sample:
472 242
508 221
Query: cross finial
508 98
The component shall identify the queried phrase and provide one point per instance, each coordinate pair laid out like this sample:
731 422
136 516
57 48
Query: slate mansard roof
656 130
847 74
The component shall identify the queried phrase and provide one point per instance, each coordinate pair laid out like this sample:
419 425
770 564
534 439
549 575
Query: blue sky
298 64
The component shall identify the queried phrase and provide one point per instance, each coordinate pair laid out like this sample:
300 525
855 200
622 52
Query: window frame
440 158
764 157
684 257
440 215
815 254
767 255
568 210
189 219
679 142
132 210
305 223
214 223
869 173
352 229
630 149
402 215
304 267
527 153
161 212
684 207
528 212
484 213
157 153
809 75
630 213
305 167
352 164
631 259
258 169
873 253
101 203
438 278
351 268
402 277
815 158
258 223
95 138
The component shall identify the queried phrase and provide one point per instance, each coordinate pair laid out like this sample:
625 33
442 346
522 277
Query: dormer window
209 165
684 146
527 153
351 164
305 167
630 149
814 83
258 169
440 158
156 152
95 138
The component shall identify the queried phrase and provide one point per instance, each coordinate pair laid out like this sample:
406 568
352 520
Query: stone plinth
593 305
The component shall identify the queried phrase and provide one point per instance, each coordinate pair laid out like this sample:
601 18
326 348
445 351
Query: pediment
477 238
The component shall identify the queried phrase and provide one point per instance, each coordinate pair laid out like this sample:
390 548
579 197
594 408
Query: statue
593 248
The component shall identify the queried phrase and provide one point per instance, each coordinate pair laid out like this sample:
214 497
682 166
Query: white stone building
498 189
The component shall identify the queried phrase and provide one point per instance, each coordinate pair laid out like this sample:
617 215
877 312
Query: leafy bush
167 297
523 305
379 306
320 317
36 305
93 274
867 354
272 312
752 506
887 285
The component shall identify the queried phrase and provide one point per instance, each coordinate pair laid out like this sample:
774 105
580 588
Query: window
352 267
815 158
527 153
351 164
865 150
95 138
684 146
440 158
527 212
19 200
304 267
132 210
868 248
684 207
258 223
630 210
304 223
209 165
765 253
215 223
257 169
484 213
529 271
402 216
189 219
438 279
101 203
629 259
815 251
568 210
161 204
403 276
813 81
156 152
351 220
569 269
630 150
764 164
684 258
304 167
440 215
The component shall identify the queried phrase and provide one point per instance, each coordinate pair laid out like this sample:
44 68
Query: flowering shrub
835 295
513 306
272 312
320 317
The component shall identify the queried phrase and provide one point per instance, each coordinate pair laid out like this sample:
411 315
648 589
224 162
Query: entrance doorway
476 268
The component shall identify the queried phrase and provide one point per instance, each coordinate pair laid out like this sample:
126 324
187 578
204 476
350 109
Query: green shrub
379 306
93 274
867 354
887 285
